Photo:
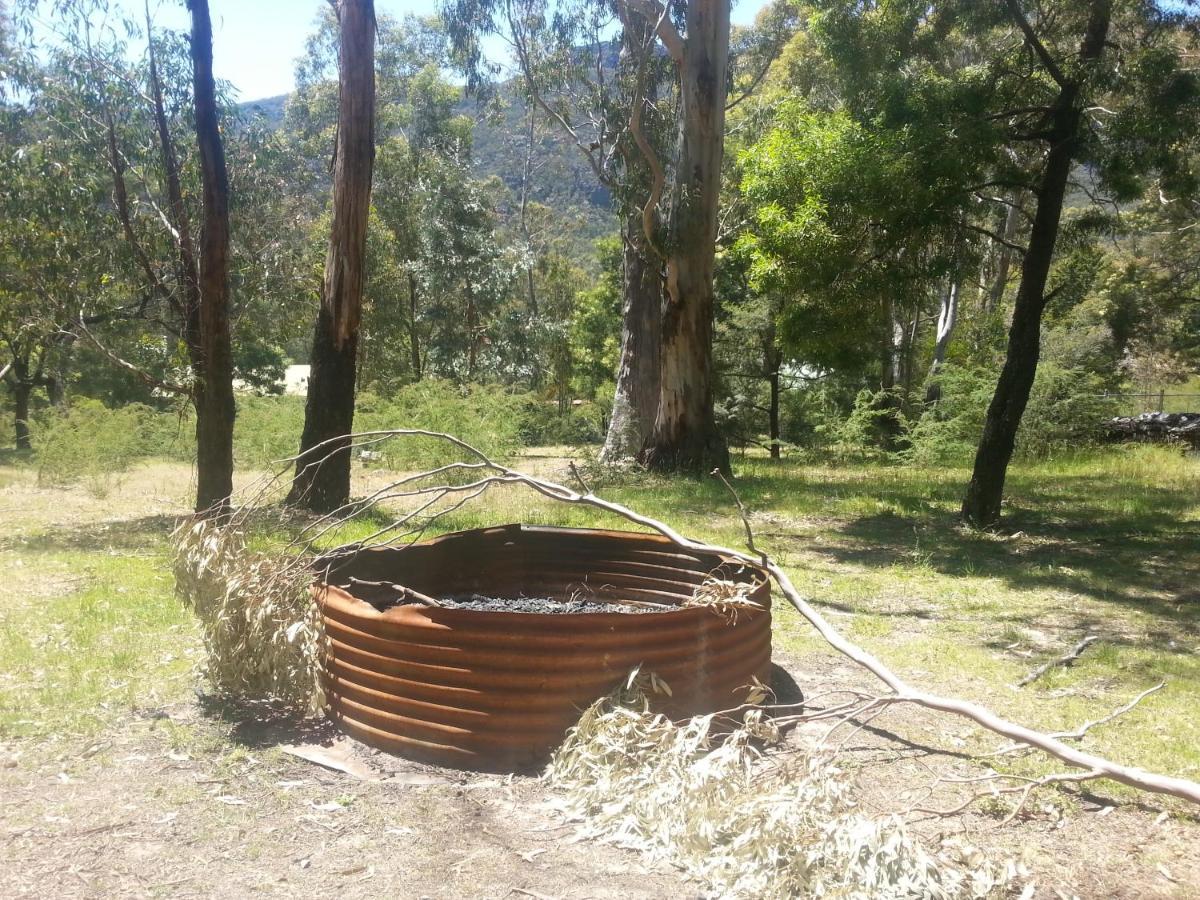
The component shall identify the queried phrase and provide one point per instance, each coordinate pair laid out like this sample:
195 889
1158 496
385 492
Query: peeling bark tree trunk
685 436
947 319
638 374
214 397
888 401
639 371
329 410
981 506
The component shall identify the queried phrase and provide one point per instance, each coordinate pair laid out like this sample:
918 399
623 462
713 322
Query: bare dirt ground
192 799
133 813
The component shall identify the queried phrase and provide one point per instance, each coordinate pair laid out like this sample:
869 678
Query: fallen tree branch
1092 766
1079 733
1061 661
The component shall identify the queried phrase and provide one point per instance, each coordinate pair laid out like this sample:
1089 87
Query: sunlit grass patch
70 663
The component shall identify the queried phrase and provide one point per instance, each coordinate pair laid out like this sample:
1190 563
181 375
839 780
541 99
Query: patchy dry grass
92 639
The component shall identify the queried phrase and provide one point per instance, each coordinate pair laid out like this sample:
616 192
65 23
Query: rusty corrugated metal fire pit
497 690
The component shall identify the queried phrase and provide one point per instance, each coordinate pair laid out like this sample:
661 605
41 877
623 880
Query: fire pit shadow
472 684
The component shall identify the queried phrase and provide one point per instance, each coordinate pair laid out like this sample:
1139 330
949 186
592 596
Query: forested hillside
563 182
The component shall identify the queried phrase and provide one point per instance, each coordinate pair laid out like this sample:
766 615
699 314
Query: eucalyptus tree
322 479
855 222
1101 84
51 260
601 93
213 393
139 133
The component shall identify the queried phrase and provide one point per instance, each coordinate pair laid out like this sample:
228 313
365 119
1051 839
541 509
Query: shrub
739 822
267 429
263 636
1066 409
486 417
542 423
8 434
87 442
874 421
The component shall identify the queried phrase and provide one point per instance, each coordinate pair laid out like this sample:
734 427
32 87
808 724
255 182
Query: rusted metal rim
497 690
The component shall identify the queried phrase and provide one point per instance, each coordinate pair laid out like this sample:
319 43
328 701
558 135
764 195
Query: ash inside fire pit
548 605
545 605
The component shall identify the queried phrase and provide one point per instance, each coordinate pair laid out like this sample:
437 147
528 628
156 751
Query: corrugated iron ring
497 690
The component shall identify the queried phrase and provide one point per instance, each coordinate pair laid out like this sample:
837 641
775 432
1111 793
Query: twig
401 589
717 473
575 473
1061 661
1079 733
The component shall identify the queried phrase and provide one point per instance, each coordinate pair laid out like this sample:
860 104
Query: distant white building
295 380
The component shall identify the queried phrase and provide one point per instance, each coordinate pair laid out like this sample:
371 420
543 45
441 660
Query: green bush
1066 409
8 434
89 443
486 417
267 429
543 424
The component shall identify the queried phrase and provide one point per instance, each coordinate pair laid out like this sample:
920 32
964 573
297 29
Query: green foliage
486 417
1065 411
266 429
89 443
875 417
595 329
544 424
850 217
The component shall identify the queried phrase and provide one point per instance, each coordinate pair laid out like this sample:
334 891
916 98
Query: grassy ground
1105 544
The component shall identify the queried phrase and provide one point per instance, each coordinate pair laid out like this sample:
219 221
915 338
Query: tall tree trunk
322 480
773 408
21 392
888 401
1004 255
214 423
209 461
472 333
907 358
536 374
981 505
639 370
947 319
56 391
685 436
414 332
635 402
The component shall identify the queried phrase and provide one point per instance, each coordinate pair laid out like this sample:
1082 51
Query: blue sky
256 42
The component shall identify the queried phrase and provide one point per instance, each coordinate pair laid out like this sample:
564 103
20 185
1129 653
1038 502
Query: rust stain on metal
493 690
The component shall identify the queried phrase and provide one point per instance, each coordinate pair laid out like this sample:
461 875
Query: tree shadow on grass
1130 544
1148 569
141 533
